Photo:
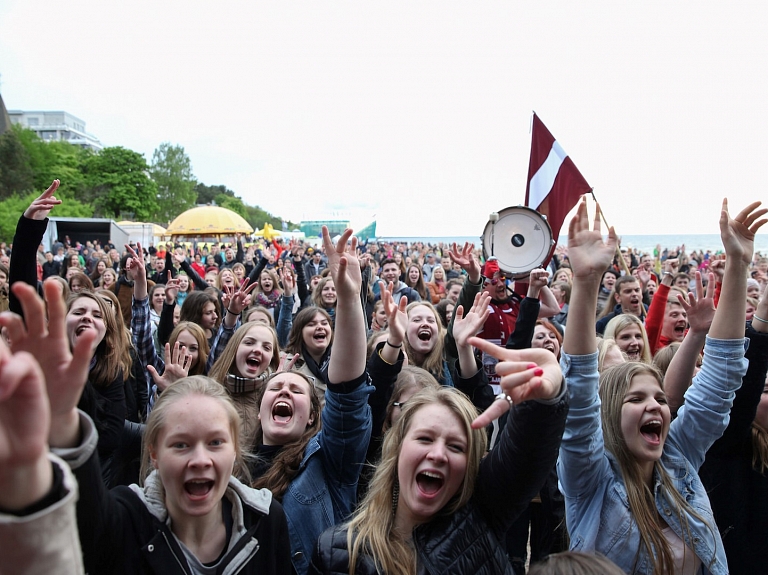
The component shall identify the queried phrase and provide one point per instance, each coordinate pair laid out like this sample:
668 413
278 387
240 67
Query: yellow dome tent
207 222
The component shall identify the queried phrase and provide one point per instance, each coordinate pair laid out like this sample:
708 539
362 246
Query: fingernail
538 372
530 366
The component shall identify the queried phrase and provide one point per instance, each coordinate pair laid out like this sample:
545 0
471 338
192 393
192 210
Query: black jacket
124 530
469 540
739 493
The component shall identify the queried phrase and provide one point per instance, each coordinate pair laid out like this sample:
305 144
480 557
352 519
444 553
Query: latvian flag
555 184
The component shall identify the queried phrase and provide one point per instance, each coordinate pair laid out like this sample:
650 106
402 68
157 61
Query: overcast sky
417 112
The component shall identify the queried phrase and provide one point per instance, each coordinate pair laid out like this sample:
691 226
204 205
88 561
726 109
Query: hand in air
466 326
177 364
738 234
397 319
525 374
701 310
343 264
43 204
589 255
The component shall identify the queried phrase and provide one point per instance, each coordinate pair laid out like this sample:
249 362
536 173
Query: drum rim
503 266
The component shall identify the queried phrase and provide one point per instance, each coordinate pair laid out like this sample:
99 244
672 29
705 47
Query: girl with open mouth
625 467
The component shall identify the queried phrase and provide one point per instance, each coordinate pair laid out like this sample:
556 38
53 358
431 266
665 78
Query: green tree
235 204
12 208
207 194
172 172
16 175
119 179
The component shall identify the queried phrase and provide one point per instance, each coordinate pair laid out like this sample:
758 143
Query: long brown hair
433 362
113 357
295 339
285 465
371 529
614 385
226 361
197 368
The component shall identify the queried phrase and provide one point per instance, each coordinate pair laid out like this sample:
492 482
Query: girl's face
753 291
266 283
194 456
210 278
190 342
108 279
438 273
561 277
651 287
630 340
316 335
645 420
158 297
100 267
183 283
176 315
239 273
413 275
85 315
750 311
431 466
259 316
608 281
381 316
286 409
422 330
545 339
76 286
255 352
226 278
209 316
449 312
328 294
74 261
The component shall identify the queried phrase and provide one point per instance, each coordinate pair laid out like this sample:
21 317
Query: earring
395 496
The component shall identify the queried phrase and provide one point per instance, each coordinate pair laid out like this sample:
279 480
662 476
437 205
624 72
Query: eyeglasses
494 281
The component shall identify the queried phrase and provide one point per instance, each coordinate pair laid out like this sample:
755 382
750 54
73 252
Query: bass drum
521 240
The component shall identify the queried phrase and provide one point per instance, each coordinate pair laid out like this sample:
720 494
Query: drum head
520 240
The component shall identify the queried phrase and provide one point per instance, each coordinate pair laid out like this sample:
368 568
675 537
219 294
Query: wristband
754 316
395 346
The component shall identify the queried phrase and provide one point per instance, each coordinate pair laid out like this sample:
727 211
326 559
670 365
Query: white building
56 126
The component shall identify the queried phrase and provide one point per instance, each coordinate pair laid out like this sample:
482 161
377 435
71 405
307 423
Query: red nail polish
530 366
538 372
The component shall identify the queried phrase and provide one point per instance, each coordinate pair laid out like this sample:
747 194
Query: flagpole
622 263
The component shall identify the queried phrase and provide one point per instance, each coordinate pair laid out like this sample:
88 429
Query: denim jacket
324 491
597 508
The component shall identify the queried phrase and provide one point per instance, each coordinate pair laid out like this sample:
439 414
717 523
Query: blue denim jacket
324 492
597 508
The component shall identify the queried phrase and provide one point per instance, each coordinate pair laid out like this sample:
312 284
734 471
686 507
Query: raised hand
525 374
466 326
343 264
397 319
589 255
43 204
287 362
171 289
177 364
25 472
238 299
466 260
288 281
700 311
65 370
738 234
134 265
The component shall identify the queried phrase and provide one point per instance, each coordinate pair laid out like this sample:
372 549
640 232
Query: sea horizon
642 243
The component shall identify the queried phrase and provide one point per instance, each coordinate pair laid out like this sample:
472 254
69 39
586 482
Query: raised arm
348 353
29 234
472 286
705 414
582 453
680 372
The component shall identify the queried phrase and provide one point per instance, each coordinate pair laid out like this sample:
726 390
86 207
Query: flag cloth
555 184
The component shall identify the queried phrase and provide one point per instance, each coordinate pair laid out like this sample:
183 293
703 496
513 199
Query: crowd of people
388 408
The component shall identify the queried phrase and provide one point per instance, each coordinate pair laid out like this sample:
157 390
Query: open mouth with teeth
425 334
651 431
253 363
429 482
320 336
198 488
282 412
680 330
633 353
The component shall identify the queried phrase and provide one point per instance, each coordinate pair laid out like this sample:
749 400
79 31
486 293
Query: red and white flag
555 184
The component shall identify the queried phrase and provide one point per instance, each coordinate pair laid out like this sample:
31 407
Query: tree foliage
12 208
172 172
207 194
16 175
123 189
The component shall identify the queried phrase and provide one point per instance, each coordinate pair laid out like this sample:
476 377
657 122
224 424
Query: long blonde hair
622 322
433 362
614 385
371 530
